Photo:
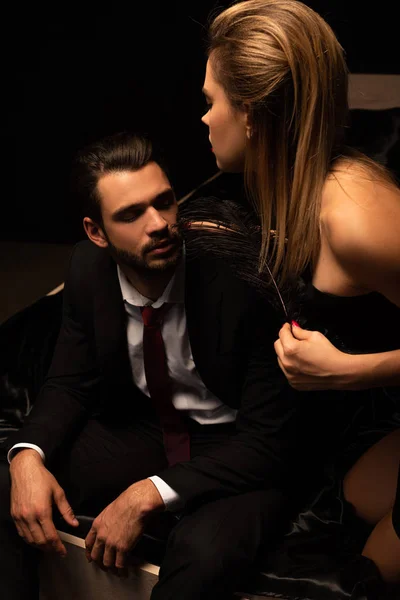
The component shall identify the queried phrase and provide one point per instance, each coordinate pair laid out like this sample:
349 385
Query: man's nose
155 221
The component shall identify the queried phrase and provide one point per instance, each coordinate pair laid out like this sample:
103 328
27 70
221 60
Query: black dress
357 325
320 556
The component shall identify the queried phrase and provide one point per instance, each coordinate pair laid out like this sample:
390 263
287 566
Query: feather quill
231 232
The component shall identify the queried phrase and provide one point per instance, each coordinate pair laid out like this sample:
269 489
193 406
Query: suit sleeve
73 379
261 453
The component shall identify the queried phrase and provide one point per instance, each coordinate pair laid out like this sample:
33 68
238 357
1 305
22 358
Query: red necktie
175 433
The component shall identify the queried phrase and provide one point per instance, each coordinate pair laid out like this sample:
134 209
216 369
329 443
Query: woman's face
228 126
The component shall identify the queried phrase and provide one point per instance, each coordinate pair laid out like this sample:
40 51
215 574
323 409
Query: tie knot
153 317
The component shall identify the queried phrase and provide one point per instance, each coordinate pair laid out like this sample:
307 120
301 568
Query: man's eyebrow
129 207
139 206
205 92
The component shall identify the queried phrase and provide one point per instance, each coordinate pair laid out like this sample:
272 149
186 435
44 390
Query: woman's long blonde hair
283 62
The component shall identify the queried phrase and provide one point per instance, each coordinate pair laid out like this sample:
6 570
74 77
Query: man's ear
94 232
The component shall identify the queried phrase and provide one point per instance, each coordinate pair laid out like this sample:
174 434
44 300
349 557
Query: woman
276 88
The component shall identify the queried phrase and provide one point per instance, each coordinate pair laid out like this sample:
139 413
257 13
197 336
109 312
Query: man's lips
163 247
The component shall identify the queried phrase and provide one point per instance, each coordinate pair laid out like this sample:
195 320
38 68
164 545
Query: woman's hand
309 360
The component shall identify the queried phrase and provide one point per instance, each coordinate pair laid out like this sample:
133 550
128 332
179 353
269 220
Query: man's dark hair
123 151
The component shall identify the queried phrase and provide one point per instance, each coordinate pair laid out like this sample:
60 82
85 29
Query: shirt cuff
17 447
170 498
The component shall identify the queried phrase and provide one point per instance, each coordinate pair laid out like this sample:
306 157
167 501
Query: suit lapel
203 298
110 321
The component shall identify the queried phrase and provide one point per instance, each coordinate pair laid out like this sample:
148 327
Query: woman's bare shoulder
360 221
355 196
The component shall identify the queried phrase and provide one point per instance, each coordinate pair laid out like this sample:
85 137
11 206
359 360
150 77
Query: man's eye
164 203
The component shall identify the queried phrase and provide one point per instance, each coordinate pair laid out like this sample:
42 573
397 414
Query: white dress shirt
189 392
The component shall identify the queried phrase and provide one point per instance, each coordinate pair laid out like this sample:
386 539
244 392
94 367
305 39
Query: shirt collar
174 292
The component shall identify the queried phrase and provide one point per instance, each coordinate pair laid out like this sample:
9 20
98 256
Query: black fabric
356 325
320 556
90 375
105 458
396 508
90 381
211 548
26 348
341 425
18 561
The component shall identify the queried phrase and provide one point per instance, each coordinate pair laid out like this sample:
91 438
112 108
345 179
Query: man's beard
141 263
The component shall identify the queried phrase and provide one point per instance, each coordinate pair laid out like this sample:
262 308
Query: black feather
232 233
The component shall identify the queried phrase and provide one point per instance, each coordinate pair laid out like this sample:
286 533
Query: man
163 395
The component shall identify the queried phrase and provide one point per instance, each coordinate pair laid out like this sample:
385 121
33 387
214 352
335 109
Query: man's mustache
169 236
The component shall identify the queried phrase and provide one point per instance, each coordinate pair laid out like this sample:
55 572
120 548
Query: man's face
139 213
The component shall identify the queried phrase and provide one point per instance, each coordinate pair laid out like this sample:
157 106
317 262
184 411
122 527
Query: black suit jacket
231 333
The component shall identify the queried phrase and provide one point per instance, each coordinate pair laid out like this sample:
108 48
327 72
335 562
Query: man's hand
119 526
33 491
309 360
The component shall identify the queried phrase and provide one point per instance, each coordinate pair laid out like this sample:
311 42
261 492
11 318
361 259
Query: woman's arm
362 230
310 362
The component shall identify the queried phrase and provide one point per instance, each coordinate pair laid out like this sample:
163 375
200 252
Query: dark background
71 76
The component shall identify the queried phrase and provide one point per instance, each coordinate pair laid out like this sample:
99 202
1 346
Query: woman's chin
235 164
229 168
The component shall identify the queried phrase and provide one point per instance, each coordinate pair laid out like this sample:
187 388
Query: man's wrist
149 497
24 455
23 445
